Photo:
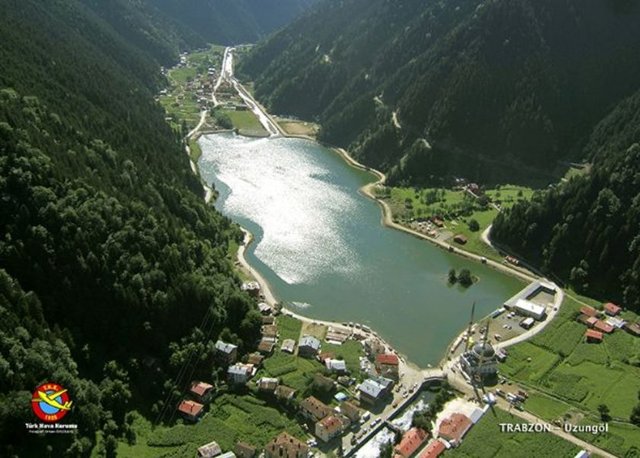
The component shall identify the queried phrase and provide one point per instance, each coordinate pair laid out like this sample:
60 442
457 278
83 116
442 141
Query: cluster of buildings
605 321
448 434
282 446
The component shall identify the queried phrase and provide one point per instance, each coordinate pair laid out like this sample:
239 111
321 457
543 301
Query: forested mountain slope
113 271
501 90
231 21
587 231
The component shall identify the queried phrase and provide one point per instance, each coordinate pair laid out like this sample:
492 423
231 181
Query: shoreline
386 221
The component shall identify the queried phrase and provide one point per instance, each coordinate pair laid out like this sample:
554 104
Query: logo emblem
50 402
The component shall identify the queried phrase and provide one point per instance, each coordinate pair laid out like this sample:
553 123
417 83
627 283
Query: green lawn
196 151
292 370
350 351
486 440
230 419
457 208
246 122
289 327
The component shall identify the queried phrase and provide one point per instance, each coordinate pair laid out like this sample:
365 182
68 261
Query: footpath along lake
321 246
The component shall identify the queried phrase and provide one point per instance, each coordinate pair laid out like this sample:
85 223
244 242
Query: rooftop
433 450
410 442
387 359
286 446
190 408
225 347
454 427
200 388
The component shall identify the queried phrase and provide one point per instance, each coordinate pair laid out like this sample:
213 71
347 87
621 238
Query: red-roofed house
201 391
454 428
612 309
329 427
191 410
603 327
433 450
593 336
387 358
591 321
387 365
589 311
411 441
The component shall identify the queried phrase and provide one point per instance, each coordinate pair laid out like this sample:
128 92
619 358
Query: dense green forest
115 278
230 21
587 231
493 90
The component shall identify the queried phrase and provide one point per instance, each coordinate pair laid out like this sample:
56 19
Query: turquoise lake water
321 246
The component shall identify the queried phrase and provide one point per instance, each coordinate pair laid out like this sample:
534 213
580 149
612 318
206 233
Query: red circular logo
50 402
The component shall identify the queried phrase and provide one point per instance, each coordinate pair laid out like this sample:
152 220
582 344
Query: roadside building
244 450
351 411
227 455
388 365
612 309
453 428
239 374
528 308
336 336
288 346
286 446
329 427
593 336
371 392
210 450
411 441
201 391
191 410
264 308
308 347
337 366
266 345
226 352
285 393
434 449
314 409
460 239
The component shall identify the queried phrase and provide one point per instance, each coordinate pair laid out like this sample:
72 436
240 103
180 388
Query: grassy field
292 371
230 419
486 440
246 122
456 207
570 376
289 327
350 351
196 151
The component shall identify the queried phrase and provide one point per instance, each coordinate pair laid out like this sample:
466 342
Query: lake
320 244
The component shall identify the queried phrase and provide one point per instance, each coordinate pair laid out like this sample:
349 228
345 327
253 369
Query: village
348 390
358 399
